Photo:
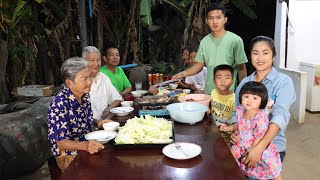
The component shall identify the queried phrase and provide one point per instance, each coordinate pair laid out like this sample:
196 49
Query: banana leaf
19 10
185 3
244 8
174 5
145 13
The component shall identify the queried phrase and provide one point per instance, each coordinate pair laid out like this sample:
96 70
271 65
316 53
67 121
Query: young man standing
118 78
218 47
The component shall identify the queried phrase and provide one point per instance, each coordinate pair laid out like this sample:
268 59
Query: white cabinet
313 84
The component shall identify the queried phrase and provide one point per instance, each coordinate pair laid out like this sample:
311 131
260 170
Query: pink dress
270 164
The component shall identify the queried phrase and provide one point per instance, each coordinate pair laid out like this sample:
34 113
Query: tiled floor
303 149
301 161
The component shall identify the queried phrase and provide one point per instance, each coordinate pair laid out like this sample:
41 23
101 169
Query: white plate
187 151
102 136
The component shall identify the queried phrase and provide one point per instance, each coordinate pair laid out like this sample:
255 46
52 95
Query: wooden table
214 162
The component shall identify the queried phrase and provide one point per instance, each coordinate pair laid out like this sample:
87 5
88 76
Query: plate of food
154 100
145 132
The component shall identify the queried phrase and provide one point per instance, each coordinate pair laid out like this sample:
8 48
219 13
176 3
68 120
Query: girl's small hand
224 128
234 138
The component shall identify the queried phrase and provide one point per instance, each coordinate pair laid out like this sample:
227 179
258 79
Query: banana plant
11 15
243 5
146 6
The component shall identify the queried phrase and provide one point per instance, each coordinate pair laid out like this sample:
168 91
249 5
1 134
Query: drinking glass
138 85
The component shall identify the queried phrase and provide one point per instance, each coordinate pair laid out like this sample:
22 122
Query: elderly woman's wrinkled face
81 83
94 63
262 56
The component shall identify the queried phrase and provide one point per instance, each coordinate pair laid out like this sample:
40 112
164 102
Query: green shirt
227 49
118 79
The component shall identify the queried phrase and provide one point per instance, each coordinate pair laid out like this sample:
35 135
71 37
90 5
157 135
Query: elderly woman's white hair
71 67
90 49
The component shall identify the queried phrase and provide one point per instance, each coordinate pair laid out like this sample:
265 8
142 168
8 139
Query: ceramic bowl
111 126
127 103
189 113
198 98
121 111
136 94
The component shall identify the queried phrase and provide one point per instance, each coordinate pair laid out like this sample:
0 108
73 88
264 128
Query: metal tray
145 146
155 103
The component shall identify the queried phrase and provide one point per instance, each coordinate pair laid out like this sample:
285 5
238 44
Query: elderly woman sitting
70 114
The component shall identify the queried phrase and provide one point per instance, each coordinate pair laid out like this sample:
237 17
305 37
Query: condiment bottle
154 79
150 79
157 77
161 78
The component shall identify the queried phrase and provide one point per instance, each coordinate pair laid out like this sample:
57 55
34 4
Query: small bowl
143 92
127 103
111 126
173 86
136 94
187 91
121 111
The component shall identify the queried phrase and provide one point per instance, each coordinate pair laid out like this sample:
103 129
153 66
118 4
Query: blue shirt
281 91
67 119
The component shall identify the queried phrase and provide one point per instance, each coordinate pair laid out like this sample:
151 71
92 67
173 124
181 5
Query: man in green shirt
218 47
116 75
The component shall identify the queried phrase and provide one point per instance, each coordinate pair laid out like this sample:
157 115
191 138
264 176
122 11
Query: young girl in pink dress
252 124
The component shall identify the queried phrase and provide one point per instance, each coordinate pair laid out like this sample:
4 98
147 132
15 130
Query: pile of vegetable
145 130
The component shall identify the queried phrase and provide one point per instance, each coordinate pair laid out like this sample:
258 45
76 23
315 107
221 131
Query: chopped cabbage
145 130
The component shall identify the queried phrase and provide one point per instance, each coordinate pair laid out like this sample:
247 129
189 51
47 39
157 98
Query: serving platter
146 146
154 100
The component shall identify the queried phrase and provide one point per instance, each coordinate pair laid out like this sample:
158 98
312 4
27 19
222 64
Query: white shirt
102 94
198 80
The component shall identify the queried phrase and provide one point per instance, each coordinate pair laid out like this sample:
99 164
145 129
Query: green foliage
244 7
185 3
177 7
119 31
162 67
12 13
145 13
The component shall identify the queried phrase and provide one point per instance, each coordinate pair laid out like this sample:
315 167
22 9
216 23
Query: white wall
299 78
303 32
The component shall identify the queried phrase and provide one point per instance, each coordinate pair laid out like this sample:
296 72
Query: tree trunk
187 25
100 34
131 25
4 93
